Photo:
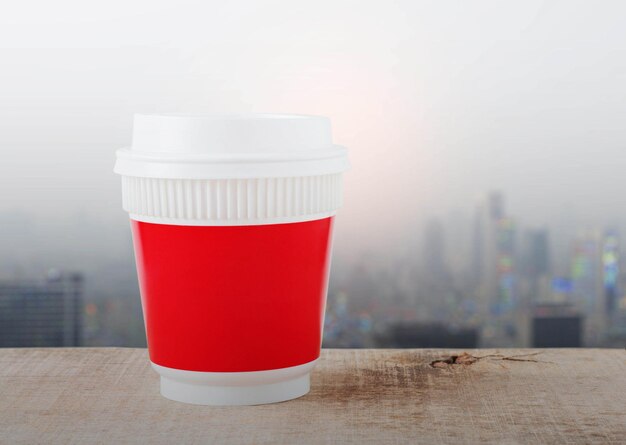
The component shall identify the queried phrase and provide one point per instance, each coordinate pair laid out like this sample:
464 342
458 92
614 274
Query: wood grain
110 395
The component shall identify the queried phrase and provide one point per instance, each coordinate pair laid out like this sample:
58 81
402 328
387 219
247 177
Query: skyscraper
535 271
505 250
588 286
494 255
610 271
537 252
44 313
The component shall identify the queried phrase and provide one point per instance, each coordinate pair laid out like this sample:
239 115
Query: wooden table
110 395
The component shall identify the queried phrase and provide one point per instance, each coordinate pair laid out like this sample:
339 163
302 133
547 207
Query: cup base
235 388
235 395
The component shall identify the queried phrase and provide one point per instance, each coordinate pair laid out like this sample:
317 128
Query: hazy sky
437 101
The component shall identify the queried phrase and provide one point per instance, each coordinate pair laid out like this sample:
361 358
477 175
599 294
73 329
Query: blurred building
587 274
426 335
493 258
610 272
556 325
535 264
436 287
42 313
505 251
494 268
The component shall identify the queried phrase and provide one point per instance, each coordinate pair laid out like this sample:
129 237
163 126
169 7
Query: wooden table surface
110 395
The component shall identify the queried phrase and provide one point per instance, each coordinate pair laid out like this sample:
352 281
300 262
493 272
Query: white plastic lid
204 146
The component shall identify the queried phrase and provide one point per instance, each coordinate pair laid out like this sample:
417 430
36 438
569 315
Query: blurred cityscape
497 286
495 283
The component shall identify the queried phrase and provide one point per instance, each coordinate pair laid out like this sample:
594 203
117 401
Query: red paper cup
232 220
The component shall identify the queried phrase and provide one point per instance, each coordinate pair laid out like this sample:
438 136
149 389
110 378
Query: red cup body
233 298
